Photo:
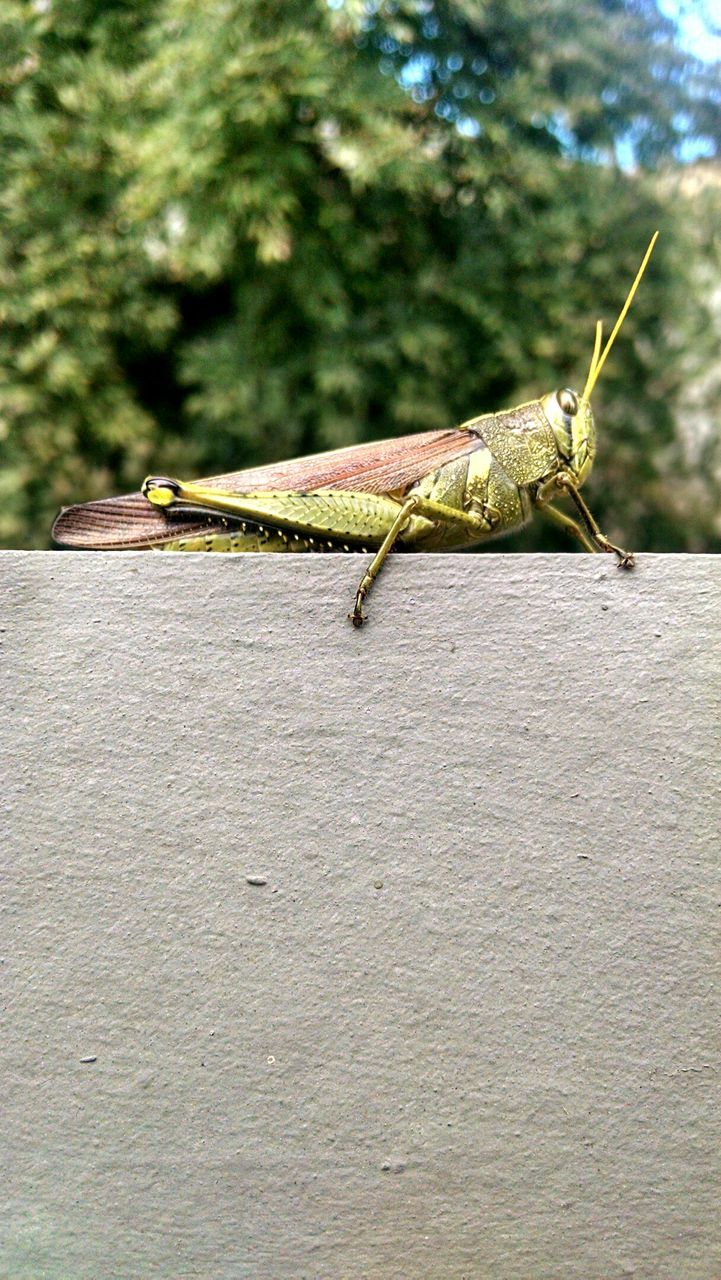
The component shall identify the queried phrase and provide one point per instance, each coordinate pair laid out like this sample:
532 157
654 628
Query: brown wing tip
69 528
64 530
108 523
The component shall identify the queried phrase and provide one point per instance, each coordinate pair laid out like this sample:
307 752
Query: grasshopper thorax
571 420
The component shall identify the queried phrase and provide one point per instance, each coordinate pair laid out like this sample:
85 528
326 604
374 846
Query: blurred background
238 231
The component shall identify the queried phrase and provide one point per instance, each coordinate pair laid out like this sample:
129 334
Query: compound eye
568 401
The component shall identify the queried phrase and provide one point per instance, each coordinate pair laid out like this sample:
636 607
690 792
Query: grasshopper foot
626 559
358 617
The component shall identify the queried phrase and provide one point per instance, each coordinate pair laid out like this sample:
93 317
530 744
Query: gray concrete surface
467 1026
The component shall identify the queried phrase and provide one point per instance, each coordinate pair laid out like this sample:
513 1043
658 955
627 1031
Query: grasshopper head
571 419
569 413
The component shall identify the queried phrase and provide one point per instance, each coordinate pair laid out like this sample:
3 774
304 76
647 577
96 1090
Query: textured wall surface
390 953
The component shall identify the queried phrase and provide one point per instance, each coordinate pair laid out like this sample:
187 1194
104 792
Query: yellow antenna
597 362
596 354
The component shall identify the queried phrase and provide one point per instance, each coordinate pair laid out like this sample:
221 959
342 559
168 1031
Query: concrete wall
390 953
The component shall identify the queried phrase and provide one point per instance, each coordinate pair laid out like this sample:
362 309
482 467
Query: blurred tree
244 230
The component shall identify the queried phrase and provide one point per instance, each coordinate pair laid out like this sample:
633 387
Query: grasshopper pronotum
436 491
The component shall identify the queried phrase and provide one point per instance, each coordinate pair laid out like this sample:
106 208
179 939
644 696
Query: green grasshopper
436 491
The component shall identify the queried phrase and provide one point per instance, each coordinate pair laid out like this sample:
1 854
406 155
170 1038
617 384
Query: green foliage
235 232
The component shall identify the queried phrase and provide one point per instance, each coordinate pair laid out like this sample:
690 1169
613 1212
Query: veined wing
378 467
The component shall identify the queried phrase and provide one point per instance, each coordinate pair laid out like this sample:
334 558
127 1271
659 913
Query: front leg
566 484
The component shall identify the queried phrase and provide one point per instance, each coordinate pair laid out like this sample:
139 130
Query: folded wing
379 467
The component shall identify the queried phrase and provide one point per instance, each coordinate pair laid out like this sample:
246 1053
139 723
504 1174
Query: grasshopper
435 491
